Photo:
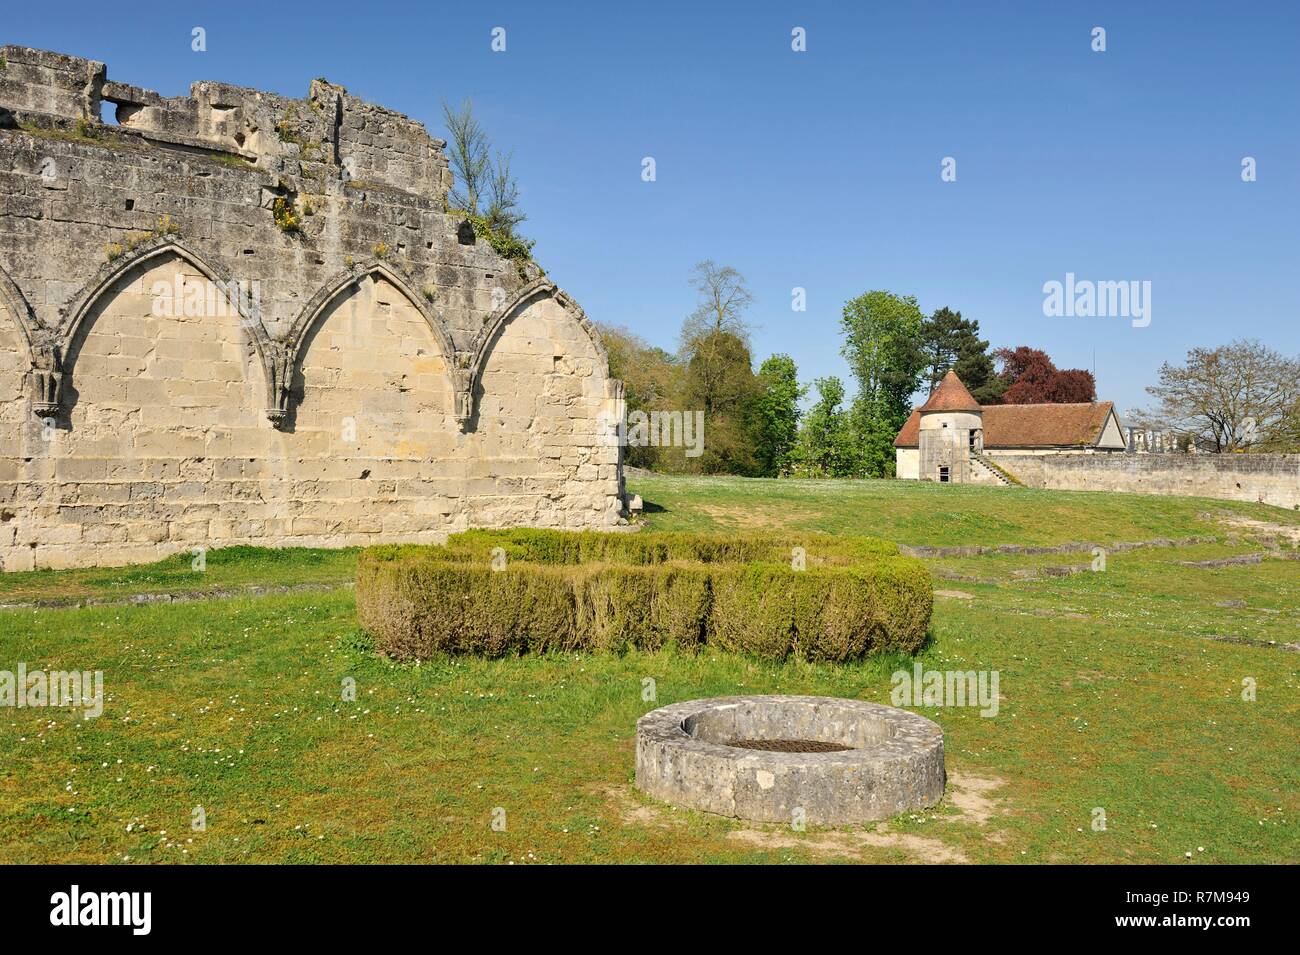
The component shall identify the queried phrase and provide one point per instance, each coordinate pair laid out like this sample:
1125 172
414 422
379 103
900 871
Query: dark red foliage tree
1072 385
1032 378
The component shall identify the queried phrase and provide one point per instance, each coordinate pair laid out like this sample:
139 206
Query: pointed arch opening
305 326
223 296
490 334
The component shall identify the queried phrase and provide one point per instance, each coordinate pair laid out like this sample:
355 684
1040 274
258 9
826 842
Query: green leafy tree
711 373
718 372
827 446
718 321
776 414
719 380
652 381
882 346
950 342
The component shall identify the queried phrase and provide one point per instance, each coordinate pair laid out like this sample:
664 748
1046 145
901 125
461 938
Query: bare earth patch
971 796
633 813
922 849
756 517
1258 528
954 594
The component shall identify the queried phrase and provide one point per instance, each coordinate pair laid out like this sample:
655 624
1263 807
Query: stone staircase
992 472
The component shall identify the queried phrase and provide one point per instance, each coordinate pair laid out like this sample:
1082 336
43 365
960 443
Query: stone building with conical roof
952 438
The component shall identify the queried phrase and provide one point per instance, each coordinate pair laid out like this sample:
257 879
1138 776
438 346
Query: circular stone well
764 757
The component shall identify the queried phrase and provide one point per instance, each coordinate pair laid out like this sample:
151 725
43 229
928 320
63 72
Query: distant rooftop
1015 426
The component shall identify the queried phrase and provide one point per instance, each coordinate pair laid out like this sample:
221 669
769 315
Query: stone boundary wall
1264 478
239 317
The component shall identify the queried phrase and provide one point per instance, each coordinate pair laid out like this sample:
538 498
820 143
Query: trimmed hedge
587 547
567 591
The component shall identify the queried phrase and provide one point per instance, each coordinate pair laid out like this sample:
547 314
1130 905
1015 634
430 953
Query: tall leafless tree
1240 396
718 322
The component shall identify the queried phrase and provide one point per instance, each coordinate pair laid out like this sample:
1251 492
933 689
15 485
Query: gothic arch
536 289
344 282
39 350
73 315
29 326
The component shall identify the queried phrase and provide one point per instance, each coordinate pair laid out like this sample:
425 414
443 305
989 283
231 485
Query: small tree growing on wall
485 189
470 155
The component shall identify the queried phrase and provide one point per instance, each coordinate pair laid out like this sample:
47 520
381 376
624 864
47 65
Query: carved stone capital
280 365
47 380
464 396
464 408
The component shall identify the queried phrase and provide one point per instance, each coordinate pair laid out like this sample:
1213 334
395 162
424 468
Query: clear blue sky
821 169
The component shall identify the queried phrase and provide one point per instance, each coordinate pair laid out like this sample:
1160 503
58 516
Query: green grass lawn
1121 690
225 572
928 514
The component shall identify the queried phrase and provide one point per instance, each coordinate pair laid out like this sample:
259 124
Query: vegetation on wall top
486 192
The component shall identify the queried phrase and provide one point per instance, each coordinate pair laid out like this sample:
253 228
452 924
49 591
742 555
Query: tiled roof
1028 426
910 435
951 395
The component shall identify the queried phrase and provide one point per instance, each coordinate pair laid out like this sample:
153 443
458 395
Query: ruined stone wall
1265 478
236 317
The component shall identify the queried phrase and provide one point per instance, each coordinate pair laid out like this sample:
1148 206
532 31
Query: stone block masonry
237 317
1263 478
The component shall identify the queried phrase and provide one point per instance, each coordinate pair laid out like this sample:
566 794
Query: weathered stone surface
177 369
895 761
1263 478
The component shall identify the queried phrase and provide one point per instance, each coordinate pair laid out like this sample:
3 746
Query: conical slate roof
951 395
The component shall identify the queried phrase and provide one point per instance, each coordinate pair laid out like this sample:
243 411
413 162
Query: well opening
824 727
820 760
789 745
